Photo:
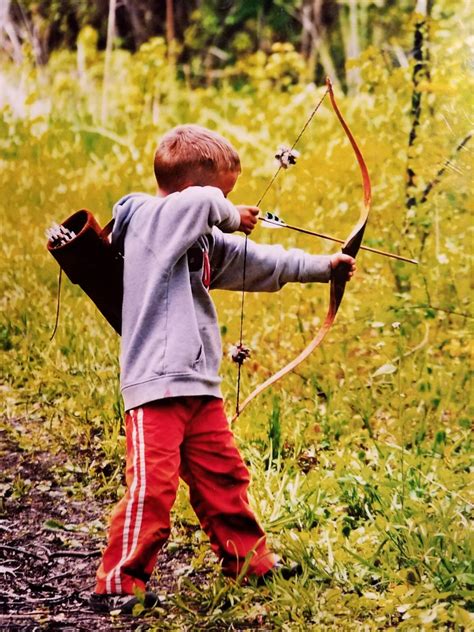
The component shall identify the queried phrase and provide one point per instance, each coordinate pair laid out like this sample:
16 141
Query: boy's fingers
248 226
343 266
252 210
249 218
340 257
347 259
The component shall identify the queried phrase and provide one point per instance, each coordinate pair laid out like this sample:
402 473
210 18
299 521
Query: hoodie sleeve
194 211
170 226
268 267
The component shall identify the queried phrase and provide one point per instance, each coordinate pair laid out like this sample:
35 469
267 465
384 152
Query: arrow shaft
336 239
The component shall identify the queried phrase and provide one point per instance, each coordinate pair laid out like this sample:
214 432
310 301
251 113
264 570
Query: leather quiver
93 263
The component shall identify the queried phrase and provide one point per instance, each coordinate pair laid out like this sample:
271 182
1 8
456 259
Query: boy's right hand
248 218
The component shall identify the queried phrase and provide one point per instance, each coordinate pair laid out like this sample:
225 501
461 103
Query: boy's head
191 155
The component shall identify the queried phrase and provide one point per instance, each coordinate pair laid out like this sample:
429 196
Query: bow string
351 247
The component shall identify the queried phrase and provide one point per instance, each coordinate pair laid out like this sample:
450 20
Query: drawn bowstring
286 156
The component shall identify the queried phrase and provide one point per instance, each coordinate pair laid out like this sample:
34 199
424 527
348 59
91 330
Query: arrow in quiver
92 262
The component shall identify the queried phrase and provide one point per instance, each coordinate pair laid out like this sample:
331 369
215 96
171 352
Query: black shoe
122 604
285 571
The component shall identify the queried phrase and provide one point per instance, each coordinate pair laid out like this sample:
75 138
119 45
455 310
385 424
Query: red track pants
188 437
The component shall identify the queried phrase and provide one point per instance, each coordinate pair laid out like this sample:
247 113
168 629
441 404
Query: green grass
361 461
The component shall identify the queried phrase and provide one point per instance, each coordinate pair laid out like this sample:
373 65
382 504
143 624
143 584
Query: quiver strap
93 263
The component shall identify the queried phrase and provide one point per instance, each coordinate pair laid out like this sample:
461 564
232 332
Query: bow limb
353 242
351 247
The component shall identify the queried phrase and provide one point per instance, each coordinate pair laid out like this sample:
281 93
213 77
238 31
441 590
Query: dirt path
49 549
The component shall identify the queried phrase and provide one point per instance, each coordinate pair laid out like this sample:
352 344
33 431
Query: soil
50 544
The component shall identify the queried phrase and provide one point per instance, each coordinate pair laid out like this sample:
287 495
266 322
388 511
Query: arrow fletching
270 220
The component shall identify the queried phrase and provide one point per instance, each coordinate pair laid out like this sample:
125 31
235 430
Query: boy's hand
248 218
342 266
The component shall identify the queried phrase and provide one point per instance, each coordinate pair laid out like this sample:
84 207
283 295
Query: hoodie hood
123 212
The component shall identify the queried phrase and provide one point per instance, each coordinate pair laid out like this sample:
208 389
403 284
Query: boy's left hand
342 266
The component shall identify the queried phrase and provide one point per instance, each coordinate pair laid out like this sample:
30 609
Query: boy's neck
164 193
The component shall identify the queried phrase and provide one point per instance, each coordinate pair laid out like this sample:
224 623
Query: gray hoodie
171 343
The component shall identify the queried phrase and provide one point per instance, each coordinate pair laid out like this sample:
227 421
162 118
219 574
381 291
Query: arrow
273 220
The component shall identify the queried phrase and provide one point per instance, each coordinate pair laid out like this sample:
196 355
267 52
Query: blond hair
192 155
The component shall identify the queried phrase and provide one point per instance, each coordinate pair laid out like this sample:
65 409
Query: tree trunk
140 34
170 31
350 36
314 36
306 34
7 27
419 73
108 56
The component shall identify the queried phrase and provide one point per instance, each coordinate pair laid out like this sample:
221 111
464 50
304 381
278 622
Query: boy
176 247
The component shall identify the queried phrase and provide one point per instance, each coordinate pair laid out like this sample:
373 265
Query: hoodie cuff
232 223
316 268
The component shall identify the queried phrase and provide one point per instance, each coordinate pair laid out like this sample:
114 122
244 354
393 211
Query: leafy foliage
361 461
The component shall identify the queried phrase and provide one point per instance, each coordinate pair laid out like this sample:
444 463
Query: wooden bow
338 283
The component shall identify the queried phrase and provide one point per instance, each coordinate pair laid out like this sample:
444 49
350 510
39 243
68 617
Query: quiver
93 263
